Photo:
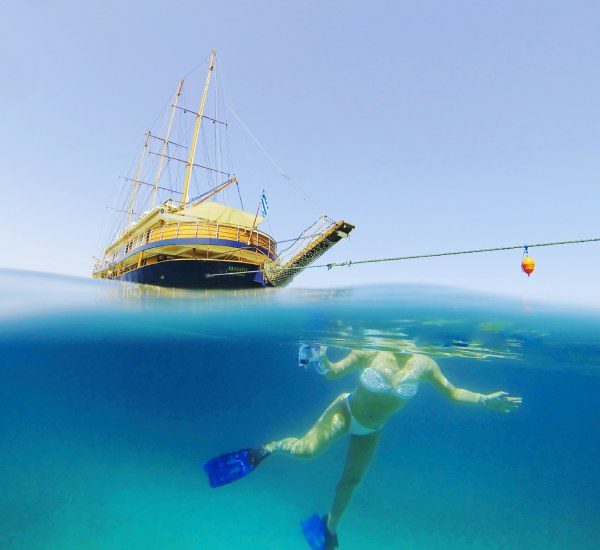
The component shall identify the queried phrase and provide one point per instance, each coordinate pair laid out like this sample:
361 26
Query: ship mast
136 180
199 114
163 152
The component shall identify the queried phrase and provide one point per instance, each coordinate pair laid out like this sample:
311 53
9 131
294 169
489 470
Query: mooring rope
350 263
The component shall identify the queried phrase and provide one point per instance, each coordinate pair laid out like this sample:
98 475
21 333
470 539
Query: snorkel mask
309 355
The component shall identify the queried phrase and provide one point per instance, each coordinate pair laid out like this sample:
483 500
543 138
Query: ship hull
192 274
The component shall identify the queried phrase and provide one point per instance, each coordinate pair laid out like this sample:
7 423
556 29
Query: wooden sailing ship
198 242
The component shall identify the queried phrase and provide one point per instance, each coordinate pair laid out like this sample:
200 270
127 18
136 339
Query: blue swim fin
230 467
317 535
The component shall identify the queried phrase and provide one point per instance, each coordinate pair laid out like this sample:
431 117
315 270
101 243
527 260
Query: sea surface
112 396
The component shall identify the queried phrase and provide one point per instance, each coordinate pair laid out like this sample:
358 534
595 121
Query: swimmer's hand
502 402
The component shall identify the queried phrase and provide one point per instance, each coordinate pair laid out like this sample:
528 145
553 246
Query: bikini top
372 380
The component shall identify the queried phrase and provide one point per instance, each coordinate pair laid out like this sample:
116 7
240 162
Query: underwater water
112 396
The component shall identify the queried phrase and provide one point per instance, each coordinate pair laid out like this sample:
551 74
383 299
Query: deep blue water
112 396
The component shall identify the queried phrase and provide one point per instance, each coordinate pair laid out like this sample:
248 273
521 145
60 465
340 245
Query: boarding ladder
280 273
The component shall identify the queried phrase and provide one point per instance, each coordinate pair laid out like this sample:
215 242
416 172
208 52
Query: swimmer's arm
499 401
354 360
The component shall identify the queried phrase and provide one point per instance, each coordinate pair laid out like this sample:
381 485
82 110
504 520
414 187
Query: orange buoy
528 264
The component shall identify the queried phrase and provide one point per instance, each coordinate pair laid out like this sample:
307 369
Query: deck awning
219 213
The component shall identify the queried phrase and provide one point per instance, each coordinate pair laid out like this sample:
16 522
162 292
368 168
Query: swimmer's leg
360 453
332 425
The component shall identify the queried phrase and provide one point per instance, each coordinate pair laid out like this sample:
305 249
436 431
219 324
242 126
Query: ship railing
200 230
251 239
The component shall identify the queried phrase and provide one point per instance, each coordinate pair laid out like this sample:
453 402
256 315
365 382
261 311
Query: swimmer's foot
317 535
230 467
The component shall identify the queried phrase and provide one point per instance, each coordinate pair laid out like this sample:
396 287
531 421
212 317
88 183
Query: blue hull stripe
198 241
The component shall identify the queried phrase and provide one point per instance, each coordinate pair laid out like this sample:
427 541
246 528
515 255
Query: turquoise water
112 397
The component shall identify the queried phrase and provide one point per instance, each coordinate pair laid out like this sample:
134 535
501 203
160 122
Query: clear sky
432 126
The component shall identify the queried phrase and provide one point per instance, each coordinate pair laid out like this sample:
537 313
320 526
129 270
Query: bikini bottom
356 428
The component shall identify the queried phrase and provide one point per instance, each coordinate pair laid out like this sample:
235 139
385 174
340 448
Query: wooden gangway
280 273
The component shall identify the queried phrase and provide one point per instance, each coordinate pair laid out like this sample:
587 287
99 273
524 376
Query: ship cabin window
128 247
148 235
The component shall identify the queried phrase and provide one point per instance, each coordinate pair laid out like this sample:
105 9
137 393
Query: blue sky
432 126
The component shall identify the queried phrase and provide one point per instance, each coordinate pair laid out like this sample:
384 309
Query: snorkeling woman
387 381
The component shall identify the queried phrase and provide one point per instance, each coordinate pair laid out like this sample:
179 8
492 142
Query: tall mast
163 151
190 162
136 180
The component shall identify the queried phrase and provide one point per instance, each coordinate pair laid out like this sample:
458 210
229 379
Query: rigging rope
350 263
316 228
197 66
221 84
294 185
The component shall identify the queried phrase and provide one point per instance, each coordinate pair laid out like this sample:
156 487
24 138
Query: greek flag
264 205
